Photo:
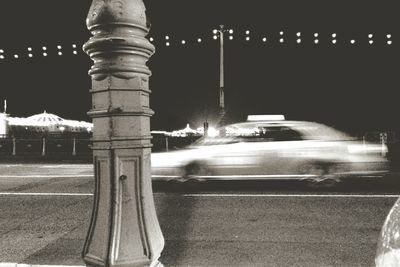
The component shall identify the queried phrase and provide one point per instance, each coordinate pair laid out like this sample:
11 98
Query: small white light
298 34
215 31
333 35
316 34
1 57
389 36
44 48
264 39
281 40
334 41
215 37
298 40
352 41
389 42
183 42
16 56
230 37
231 31
167 43
247 38
167 37
199 40
59 53
30 55
151 39
281 32
1 51
45 54
370 35
371 41
58 46
247 32
74 46
75 52
29 48
316 41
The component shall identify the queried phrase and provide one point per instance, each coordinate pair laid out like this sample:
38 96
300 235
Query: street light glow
352 41
183 42
281 40
264 39
45 54
75 52
58 46
299 41
151 39
167 43
298 34
166 37
281 32
59 53
215 31
370 35
230 37
74 46
371 41
316 34
215 37
16 56
1 57
333 35
316 41
231 31
334 41
247 32
29 48
199 40
247 38
1 51
44 48
30 55
389 42
389 36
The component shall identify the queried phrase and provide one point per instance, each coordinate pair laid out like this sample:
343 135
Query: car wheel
322 175
193 172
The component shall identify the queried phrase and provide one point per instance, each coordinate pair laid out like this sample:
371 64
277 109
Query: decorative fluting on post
124 230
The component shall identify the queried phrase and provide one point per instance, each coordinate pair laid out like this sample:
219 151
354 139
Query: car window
279 133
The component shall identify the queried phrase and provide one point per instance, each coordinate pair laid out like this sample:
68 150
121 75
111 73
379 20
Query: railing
72 148
45 147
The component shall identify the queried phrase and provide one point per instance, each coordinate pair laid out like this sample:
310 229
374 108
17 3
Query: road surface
45 211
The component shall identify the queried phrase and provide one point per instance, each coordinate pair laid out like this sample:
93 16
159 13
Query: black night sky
350 86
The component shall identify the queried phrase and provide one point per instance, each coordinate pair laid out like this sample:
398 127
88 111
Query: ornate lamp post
221 32
124 229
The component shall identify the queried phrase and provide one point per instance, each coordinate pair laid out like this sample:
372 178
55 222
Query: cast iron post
124 229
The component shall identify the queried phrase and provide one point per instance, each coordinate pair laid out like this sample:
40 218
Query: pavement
45 212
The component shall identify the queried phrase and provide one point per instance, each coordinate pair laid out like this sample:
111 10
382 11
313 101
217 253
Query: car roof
267 123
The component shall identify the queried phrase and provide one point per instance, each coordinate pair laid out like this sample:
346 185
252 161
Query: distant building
42 124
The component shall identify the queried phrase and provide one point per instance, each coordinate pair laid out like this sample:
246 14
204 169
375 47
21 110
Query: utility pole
124 230
220 32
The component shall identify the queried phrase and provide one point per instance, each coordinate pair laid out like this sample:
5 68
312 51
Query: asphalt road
45 211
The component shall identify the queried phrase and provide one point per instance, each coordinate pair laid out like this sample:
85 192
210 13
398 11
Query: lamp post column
221 73
124 230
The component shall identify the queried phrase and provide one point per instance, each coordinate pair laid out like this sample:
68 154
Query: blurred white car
272 150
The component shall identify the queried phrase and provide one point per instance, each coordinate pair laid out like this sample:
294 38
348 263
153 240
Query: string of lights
43 51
